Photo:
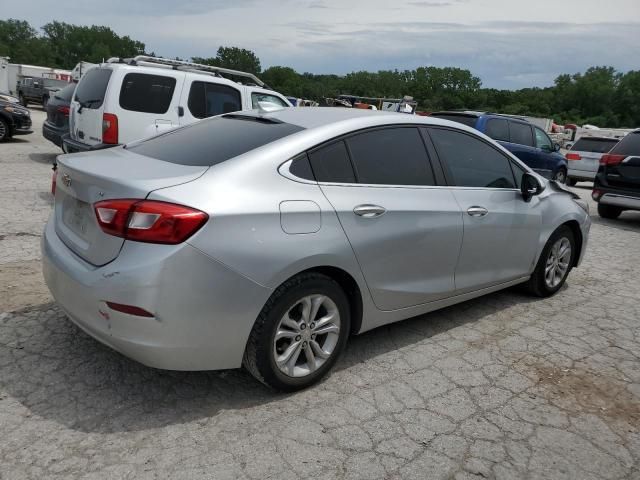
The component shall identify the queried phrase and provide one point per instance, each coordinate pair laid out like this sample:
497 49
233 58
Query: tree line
600 95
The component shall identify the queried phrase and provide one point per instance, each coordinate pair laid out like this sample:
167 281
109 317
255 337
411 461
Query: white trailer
11 73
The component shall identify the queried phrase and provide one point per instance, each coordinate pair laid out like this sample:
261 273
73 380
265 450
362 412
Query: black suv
617 184
14 119
56 125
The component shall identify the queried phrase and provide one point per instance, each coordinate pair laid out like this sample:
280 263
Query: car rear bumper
628 202
53 134
70 145
581 174
202 311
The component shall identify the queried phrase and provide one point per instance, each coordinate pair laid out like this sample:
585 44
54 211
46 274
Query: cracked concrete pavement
506 386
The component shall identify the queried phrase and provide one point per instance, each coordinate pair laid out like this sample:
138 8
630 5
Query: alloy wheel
306 336
560 176
557 262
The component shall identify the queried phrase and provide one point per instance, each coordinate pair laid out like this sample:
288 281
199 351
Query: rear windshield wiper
87 103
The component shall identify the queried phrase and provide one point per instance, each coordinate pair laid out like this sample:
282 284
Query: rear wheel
299 334
45 101
554 264
609 211
560 176
572 182
4 130
23 101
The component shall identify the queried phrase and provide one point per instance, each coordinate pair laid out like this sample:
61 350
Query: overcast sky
507 43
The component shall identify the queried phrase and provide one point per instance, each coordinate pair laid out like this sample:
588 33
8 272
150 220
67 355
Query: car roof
351 118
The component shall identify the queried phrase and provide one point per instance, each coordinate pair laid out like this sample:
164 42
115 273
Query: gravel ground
505 386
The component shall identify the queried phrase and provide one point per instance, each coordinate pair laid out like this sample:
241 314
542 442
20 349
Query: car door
522 144
405 232
547 153
206 99
501 230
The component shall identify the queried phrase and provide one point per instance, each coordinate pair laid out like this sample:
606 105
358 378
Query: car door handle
369 211
477 211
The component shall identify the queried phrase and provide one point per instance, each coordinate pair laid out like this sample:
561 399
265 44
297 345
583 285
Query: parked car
584 157
56 126
14 120
266 239
526 141
7 97
38 90
119 102
616 187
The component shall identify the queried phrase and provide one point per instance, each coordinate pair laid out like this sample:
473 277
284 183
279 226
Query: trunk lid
86 178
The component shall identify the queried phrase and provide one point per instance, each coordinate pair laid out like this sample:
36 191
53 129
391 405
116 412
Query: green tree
234 58
21 43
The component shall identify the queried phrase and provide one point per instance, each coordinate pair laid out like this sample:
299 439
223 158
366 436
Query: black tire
45 101
259 352
537 284
561 175
5 132
23 101
571 182
609 211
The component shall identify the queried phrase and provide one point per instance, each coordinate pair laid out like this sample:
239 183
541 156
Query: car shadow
49 158
628 221
61 374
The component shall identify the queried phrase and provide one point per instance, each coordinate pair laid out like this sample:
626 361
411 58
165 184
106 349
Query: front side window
498 129
520 133
141 92
391 156
543 141
471 162
265 97
331 163
210 99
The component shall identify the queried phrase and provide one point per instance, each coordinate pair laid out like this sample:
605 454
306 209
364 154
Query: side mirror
556 147
530 186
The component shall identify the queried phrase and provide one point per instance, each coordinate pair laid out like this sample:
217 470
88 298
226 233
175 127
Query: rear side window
472 162
215 140
66 93
391 156
92 87
468 120
141 92
595 145
331 164
265 97
520 133
498 129
209 99
629 145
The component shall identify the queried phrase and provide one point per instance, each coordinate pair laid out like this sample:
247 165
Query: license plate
77 216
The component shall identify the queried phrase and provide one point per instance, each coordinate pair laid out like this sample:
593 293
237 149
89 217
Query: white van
124 100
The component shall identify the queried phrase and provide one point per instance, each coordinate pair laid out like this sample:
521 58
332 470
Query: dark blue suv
526 141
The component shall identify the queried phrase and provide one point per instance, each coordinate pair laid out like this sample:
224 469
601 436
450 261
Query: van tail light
63 110
573 156
109 128
611 159
149 221
596 194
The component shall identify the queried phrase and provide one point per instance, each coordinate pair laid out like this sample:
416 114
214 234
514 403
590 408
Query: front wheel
560 176
555 263
299 334
45 102
572 182
609 211
4 130
23 101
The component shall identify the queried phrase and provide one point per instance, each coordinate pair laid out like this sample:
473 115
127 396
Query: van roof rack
188 66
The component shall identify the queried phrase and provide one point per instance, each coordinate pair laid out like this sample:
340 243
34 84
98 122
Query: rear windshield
629 145
468 120
92 87
596 145
214 140
66 93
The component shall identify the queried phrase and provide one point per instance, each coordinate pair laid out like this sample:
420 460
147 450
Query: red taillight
611 159
129 309
63 110
148 220
573 156
54 177
596 194
109 128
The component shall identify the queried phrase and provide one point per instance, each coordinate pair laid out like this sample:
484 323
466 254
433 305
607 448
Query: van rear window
596 145
145 93
92 88
214 140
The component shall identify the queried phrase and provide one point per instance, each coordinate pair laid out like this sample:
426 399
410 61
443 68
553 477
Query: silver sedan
264 239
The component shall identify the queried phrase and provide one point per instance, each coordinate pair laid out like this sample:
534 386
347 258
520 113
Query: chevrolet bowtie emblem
66 179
